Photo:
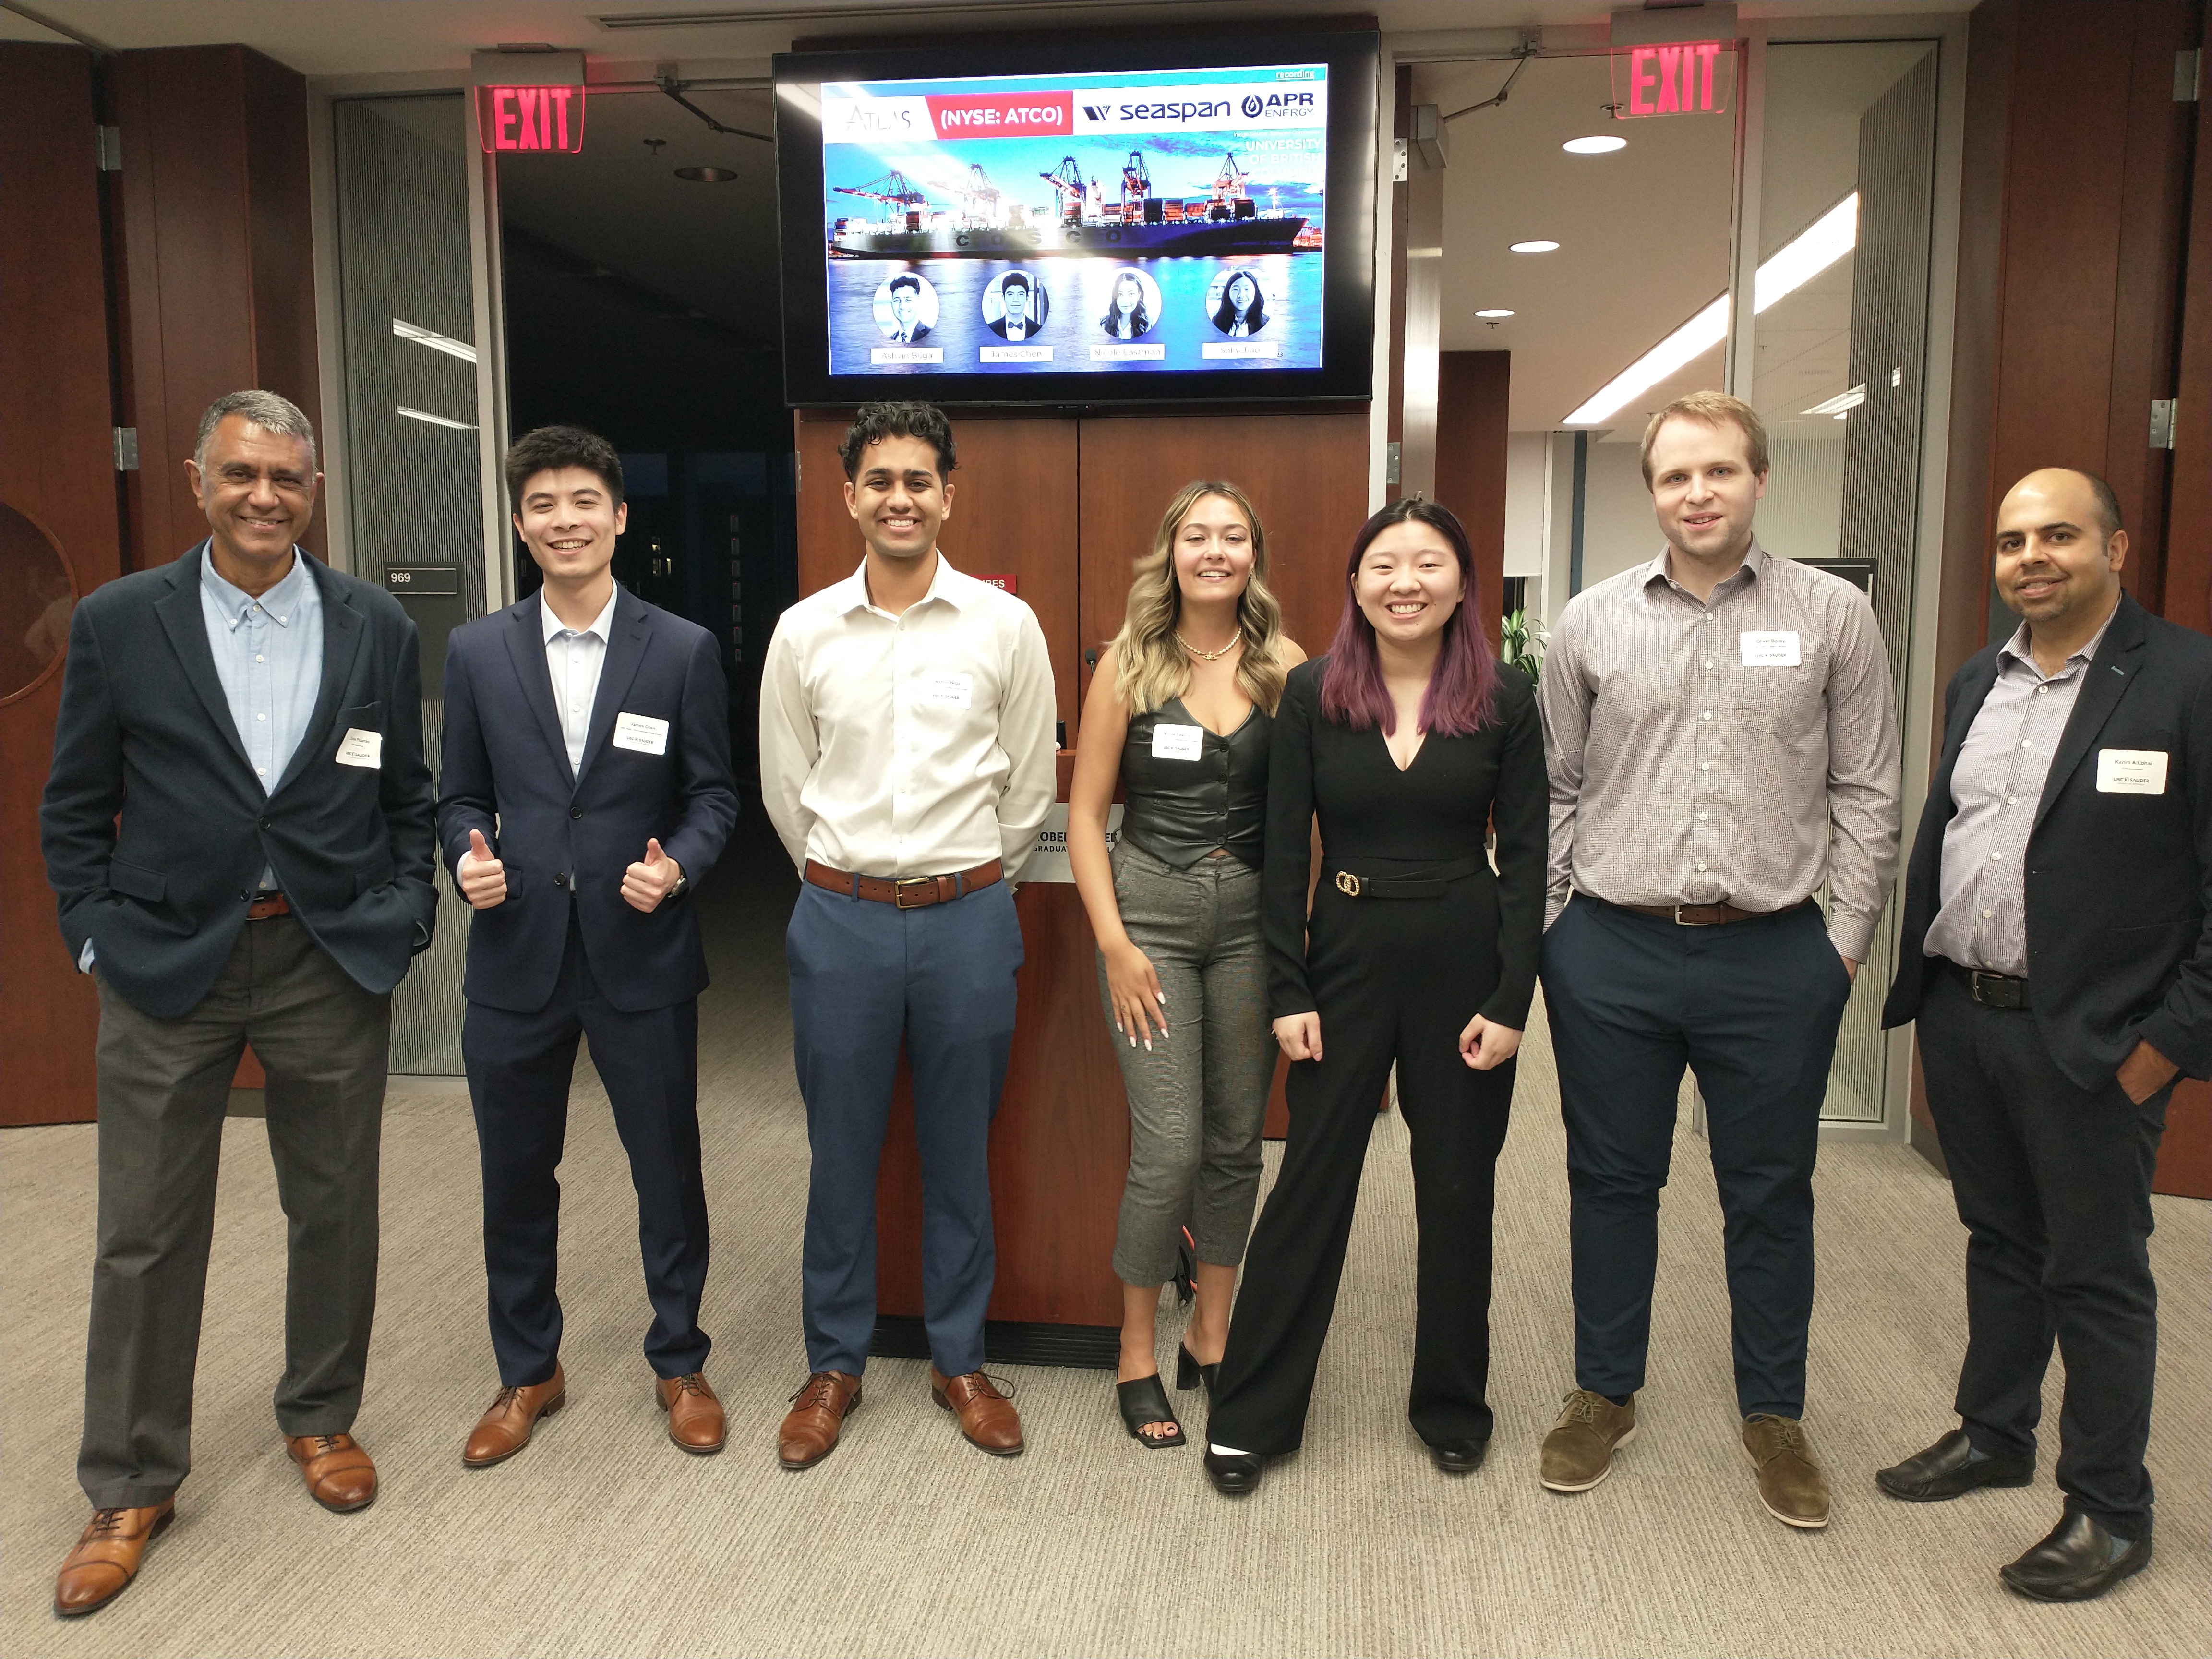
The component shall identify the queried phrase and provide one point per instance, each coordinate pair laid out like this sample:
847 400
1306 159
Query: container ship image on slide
1085 218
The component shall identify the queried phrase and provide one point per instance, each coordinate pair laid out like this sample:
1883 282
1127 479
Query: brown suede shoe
816 1419
695 1415
107 1556
988 1416
1791 1483
338 1472
506 1425
1578 1452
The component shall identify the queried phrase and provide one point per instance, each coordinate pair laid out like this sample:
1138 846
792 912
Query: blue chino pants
1751 1007
864 977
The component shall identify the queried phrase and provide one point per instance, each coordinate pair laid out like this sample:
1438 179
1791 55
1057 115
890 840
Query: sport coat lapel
186 623
342 632
631 630
2107 678
525 648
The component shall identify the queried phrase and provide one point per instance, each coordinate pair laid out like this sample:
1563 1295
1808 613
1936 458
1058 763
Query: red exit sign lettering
1692 77
531 119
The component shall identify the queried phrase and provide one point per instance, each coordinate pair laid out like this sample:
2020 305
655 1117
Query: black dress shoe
1458 1456
1947 1469
1233 1476
2075 1562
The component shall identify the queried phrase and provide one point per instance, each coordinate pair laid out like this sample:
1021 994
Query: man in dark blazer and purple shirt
585 792
2056 954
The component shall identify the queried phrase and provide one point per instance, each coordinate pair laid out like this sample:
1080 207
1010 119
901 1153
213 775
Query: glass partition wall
1778 247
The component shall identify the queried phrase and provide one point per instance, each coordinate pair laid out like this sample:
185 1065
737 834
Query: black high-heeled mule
1189 1373
1143 1400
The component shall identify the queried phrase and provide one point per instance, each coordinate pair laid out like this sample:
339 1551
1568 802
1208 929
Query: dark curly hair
876 421
551 448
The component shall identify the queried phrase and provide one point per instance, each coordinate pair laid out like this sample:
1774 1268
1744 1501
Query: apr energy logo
1277 105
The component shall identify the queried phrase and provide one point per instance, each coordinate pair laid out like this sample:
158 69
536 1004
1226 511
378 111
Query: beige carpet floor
604 1539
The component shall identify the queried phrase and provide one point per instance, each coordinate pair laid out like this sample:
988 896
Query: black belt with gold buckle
1413 884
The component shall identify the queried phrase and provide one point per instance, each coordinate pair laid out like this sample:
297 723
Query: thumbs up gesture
482 877
645 884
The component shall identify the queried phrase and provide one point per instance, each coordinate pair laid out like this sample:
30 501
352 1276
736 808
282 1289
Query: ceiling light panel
1596 144
1533 248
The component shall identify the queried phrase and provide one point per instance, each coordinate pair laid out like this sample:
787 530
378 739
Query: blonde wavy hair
1149 666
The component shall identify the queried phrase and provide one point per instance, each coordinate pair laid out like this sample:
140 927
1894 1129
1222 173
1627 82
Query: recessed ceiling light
705 175
1600 145
1494 311
1533 248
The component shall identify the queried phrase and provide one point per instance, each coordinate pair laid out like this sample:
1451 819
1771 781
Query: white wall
1527 528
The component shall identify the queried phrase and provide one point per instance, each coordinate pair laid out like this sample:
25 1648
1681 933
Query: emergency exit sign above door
1677 77
529 100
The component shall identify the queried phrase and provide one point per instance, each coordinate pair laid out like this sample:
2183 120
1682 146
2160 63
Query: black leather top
1179 810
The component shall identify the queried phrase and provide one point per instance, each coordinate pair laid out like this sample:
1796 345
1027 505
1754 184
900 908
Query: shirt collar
1755 562
603 625
281 604
947 584
2020 648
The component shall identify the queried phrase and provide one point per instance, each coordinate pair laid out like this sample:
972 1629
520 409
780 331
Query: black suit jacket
566 838
146 732
2119 886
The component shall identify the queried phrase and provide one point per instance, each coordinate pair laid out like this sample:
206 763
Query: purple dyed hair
1462 694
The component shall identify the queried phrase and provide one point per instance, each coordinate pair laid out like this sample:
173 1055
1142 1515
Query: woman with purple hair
1407 743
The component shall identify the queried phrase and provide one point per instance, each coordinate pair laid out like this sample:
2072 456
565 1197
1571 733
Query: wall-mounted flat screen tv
1080 223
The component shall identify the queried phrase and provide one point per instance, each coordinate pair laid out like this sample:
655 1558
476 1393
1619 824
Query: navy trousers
1752 1008
519 1068
864 977
2053 1183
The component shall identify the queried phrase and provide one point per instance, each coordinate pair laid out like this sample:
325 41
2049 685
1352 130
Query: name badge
647 735
366 749
950 690
1775 649
2131 771
1178 742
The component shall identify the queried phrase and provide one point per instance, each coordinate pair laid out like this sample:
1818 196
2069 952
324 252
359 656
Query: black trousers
2053 1182
519 1068
1394 980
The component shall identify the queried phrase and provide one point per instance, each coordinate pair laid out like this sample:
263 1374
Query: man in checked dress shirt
1718 728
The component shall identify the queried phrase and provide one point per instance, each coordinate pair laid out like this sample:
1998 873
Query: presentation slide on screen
1157 222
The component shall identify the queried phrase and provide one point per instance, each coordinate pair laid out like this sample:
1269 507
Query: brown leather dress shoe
338 1472
505 1427
987 1417
106 1556
816 1419
695 1415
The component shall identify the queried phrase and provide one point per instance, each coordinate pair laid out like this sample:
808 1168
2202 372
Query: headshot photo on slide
906 308
1133 307
1237 302
1015 305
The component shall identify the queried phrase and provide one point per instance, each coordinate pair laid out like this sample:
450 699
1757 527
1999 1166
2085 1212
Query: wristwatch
683 883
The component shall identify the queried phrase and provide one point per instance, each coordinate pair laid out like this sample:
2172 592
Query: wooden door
59 539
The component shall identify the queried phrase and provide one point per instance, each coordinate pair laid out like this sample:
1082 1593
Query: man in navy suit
2057 954
238 828
585 792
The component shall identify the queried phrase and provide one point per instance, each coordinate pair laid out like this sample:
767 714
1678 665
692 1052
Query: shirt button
1701 864
258 657
1708 616
260 771
1704 766
2041 689
2012 801
2024 743
1986 915
261 717
1996 855
1701 817
1707 715
1709 665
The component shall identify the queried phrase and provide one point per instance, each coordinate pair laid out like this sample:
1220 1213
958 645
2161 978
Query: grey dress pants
164 1087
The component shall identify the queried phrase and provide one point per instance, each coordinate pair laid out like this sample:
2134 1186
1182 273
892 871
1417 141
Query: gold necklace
1208 656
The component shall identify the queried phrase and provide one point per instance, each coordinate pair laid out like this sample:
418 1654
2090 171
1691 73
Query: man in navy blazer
238 828
2057 954
585 793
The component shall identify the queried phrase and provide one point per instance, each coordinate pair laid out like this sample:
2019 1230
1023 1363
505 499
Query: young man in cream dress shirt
907 762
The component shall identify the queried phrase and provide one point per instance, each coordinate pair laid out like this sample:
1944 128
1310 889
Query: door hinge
2187 65
107 147
126 449
2161 423
1397 161
1391 463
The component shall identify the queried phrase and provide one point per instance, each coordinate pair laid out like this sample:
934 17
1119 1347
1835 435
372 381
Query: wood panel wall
1474 407
57 470
215 260
2072 236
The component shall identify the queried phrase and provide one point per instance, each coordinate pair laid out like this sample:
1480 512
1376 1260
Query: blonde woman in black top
1179 715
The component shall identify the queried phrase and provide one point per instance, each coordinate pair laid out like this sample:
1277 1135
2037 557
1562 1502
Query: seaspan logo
1208 109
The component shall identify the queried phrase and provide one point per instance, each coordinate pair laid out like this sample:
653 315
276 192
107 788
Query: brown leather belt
1701 915
268 905
910 892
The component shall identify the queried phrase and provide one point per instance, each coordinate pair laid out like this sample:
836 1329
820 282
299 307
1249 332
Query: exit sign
1688 77
512 118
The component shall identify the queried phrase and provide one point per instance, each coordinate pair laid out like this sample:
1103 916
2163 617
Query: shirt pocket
1789 703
